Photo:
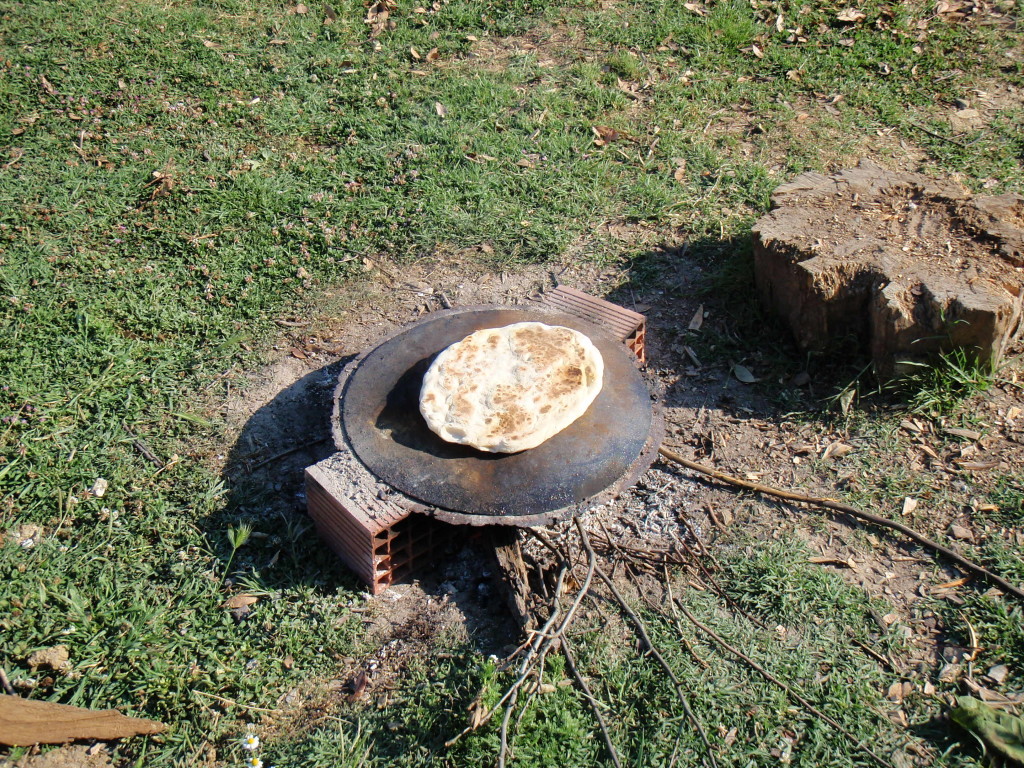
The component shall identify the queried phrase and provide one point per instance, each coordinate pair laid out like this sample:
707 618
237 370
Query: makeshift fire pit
372 500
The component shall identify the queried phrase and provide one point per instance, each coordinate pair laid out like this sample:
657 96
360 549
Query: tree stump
910 265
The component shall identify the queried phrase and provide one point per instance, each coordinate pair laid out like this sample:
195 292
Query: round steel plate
377 417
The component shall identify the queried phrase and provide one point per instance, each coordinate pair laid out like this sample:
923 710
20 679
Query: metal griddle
377 418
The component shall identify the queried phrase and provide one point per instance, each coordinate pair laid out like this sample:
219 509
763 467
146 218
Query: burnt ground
786 428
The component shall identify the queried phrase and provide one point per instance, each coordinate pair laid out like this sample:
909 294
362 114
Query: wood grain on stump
911 265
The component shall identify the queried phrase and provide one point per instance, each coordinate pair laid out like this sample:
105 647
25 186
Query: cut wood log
24 722
909 265
515 580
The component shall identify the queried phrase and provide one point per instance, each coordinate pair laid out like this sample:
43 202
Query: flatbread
504 390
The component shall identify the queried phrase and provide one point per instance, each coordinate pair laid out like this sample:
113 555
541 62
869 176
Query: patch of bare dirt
72 756
551 45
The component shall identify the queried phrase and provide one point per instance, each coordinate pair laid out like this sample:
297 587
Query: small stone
961 533
998 673
55 658
895 692
949 673
953 653
99 487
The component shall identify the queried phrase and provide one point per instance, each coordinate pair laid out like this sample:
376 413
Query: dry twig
8 688
641 629
538 639
591 701
233 703
771 678
838 506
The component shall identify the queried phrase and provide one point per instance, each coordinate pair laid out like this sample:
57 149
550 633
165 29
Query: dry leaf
415 54
909 505
210 44
757 51
524 163
357 686
25 722
47 86
825 560
895 692
975 466
695 8
846 400
697 320
742 373
296 352
851 15
330 13
162 184
679 174
605 134
954 583
377 16
301 9
441 109
433 54
240 601
477 713
836 450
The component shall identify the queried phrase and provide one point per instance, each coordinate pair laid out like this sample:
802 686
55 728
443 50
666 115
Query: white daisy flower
251 743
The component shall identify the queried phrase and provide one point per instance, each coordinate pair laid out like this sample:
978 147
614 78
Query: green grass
940 387
813 656
176 175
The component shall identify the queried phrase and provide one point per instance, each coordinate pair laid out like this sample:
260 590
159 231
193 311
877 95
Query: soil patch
74 756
